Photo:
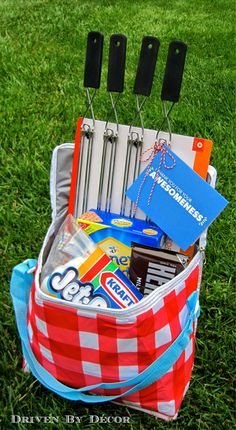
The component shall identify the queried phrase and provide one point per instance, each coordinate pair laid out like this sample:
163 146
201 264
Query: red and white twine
159 146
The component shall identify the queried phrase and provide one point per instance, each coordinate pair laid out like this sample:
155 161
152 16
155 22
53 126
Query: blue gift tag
176 198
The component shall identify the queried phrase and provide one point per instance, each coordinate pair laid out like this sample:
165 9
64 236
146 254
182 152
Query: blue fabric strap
21 282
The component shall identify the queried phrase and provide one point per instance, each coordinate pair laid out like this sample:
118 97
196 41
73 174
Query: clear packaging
80 272
71 245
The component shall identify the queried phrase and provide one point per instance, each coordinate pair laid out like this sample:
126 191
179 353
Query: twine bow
152 151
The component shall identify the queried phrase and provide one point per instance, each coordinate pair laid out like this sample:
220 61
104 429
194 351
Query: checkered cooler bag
140 357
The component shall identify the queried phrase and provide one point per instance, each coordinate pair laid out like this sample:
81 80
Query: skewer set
114 158
142 88
92 79
115 84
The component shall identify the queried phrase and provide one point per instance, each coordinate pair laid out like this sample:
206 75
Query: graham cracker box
114 234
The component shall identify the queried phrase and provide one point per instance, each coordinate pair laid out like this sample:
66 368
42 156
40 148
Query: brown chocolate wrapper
151 267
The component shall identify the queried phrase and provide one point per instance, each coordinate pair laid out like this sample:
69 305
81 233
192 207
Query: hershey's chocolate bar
150 267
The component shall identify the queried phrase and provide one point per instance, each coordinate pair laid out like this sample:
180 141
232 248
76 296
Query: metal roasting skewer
171 85
142 87
87 133
172 82
134 145
113 139
92 77
110 137
115 84
85 151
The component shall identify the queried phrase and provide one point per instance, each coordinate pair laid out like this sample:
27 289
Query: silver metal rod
110 176
126 176
89 153
165 119
87 173
138 111
114 104
90 105
110 137
136 171
166 115
134 139
78 184
87 133
113 142
139 108
102 172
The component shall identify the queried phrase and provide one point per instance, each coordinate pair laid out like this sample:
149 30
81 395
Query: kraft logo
117 290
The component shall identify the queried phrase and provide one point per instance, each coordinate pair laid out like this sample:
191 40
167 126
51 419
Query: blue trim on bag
21 282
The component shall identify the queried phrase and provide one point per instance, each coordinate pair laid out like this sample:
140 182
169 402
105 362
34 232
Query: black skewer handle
146 66
116 65
174 71
93 63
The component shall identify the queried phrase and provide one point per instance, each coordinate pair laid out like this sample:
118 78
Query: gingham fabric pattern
80 349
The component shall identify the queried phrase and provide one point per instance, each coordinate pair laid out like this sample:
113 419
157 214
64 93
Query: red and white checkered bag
83 346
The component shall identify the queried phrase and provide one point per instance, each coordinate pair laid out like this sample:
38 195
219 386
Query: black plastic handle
93 63
146 66
174 71
116 65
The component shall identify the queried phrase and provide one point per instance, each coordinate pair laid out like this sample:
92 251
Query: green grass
43 47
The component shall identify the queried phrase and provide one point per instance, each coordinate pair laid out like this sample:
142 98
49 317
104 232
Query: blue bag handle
21 282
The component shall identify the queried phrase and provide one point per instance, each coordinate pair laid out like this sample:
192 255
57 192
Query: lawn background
43 47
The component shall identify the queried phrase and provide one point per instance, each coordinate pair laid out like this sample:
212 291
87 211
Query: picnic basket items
142 356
